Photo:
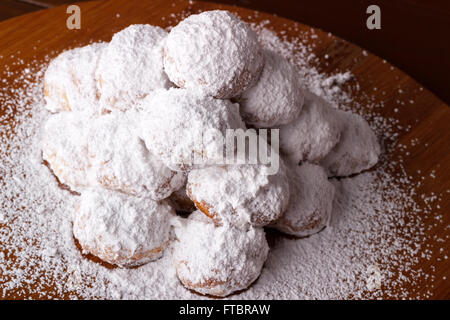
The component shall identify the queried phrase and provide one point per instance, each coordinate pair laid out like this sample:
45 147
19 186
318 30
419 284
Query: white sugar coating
64 147
214 52
218 260
310 203
313 134
120 229
277 98
357 150
120 161
239 194
379 221
180 126
69 82
131 67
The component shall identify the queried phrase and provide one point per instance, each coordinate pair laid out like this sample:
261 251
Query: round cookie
120 161
120 229
187 129
64 147
218 260
357 150
215 52
277 98
313 134
310 203
240 195
131 67
69 82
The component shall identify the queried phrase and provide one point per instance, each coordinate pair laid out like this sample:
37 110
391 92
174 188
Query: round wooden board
44 33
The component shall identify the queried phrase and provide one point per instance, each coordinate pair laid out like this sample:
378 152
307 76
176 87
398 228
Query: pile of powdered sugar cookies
124 114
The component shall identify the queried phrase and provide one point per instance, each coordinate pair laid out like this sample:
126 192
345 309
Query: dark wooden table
414 33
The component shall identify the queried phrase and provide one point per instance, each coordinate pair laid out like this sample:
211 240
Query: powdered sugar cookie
310 203
181 202
69 82
64 147
239 194
277 98
120 161
313 134
131 66
187 129
218 260
215 52
120 229
357 150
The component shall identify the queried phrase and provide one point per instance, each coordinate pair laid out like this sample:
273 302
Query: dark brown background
414 35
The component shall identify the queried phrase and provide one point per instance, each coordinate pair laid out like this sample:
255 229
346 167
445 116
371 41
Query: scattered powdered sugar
372 247
363 243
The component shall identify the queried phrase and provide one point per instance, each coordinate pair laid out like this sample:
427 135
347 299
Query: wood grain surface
12 8
36 35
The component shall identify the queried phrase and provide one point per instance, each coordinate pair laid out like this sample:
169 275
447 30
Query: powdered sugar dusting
177 122
276 98
240 194
372 248
218 260
222 63
120 161
70 82
311 201
133 53
115 227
